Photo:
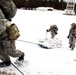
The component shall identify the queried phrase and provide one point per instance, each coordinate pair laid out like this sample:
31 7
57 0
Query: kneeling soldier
54 30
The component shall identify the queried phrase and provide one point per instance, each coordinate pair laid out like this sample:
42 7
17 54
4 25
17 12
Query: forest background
56 4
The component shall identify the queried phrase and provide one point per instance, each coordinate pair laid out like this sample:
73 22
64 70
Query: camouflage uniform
72 36
8 8
7 46
54 30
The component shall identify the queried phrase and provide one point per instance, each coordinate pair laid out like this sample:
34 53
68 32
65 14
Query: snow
32 25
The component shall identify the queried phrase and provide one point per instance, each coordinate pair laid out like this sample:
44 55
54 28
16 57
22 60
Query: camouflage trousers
72 41
52 34
8 48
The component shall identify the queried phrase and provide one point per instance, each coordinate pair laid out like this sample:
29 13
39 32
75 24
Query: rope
27 42
31 43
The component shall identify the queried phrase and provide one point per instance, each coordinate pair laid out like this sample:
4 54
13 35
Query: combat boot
21 58
5 63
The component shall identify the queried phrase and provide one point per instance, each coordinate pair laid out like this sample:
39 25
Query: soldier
54 30
7 45
72 36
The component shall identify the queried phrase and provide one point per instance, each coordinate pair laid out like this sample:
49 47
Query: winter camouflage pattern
54 30
72 36
8 8
7 46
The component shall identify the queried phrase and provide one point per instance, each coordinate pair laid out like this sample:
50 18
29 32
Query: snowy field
32 25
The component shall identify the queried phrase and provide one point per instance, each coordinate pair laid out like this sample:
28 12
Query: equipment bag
13 32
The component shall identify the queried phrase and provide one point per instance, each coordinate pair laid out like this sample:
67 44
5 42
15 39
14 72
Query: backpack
13 32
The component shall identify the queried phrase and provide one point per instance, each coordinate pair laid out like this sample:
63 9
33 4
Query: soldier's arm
8 8
2 22
2 25
50 28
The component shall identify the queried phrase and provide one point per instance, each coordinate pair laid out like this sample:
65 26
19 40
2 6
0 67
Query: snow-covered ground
32 25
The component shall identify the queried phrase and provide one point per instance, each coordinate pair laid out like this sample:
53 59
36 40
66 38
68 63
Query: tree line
57 4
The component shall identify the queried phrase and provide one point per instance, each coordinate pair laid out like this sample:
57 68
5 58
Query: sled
47 43
50 43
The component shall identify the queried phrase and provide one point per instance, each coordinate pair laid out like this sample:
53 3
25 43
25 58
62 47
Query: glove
47 30
68 37
75 36
10 19
56 33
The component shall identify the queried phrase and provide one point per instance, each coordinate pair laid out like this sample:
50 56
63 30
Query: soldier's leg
73 46
4 56
5 59
72 43
52 35
10 49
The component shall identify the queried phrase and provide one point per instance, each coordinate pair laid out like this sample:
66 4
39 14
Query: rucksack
13 32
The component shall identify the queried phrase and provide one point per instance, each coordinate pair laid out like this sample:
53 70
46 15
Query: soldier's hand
75 36
56 33
47 30
68 37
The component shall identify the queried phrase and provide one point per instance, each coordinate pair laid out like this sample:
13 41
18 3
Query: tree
56 1
61 1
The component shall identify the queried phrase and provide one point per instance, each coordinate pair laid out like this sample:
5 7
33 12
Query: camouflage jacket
72 32
8 8
7 11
